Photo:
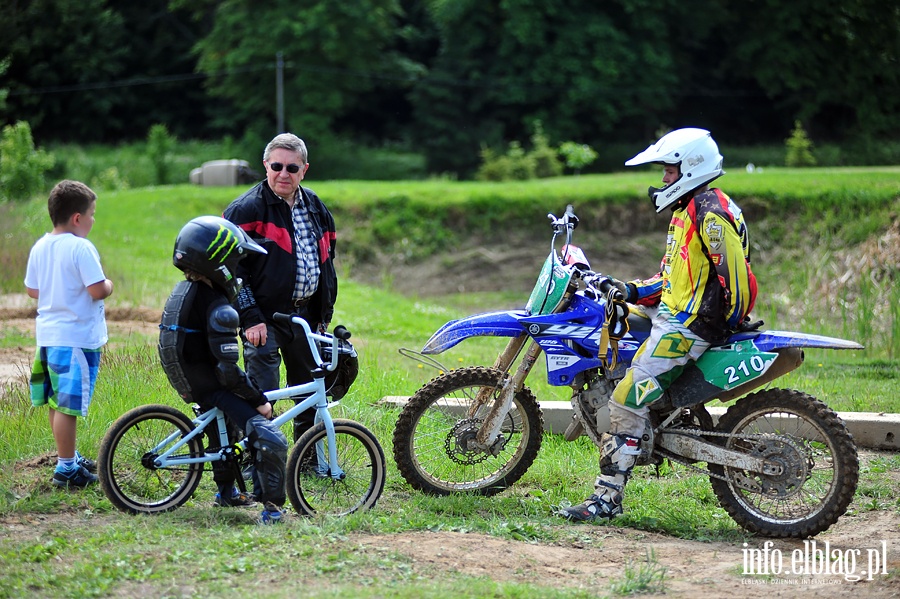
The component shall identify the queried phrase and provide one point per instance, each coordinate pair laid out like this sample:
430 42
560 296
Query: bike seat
638 321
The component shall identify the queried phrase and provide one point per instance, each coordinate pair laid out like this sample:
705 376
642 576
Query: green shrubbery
539 162
22 166
799 148
577 156
26 171
160 147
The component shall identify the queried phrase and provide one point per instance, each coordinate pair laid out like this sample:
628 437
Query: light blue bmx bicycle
152 458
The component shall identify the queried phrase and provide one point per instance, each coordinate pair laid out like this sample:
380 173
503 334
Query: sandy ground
863 557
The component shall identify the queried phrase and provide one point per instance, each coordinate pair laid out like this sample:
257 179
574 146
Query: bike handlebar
570 216
605 284
568 221
340 334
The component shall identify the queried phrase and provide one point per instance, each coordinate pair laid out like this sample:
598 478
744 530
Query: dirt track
602 554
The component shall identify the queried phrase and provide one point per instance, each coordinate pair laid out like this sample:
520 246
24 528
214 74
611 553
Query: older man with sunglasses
295 276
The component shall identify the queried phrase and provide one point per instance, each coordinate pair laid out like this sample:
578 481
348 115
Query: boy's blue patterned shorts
64 377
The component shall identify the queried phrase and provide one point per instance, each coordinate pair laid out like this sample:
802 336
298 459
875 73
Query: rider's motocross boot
617 459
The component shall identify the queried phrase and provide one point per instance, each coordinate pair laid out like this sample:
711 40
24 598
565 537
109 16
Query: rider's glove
627 290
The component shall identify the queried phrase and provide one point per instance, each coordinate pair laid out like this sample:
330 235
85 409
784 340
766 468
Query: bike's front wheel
817 465
125 462
434 435
314 490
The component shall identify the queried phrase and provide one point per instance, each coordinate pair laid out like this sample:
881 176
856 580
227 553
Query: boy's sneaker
237 499
87 463
271 514
77 478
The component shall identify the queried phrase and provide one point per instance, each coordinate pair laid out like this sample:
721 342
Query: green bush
546 159
576 155
799 148
515 165
493 167
338 158
160 146
22 167
522 165
109 180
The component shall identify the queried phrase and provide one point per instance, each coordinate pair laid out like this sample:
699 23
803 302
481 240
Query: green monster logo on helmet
222 245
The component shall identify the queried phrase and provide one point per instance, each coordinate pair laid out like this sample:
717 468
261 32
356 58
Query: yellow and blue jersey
705 278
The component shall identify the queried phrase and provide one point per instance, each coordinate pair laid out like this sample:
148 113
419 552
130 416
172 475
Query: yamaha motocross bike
781 463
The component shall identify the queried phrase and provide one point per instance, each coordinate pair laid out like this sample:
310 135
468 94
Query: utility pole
279 92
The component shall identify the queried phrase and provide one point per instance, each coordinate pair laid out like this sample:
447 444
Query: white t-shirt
62 267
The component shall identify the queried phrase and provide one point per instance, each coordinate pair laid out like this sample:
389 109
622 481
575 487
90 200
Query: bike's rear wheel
127 475
432 435
820 468
313 490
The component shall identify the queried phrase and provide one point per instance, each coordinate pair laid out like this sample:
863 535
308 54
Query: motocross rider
703 292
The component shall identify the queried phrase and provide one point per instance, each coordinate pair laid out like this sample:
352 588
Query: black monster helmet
338 382
212 247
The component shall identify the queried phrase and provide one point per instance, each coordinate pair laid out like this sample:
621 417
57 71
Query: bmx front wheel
315 490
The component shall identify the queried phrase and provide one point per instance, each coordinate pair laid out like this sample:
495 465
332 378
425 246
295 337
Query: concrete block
219 173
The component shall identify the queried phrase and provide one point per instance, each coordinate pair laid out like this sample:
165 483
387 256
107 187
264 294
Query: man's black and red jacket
268 280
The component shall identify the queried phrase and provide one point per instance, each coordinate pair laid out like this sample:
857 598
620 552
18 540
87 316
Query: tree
50 65
100 70
576 155
4 66
334 52
576 66
799 148
834 64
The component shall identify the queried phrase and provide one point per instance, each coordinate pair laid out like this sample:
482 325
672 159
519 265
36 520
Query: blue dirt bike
781 462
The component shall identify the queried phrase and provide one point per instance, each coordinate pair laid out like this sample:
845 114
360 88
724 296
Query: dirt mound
8 313
17 312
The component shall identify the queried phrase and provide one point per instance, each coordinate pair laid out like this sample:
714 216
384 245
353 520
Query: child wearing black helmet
199 350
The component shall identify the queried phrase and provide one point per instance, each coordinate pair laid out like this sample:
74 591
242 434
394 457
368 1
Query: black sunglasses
291 168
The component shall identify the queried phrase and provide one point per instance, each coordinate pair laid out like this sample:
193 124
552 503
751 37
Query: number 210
756 363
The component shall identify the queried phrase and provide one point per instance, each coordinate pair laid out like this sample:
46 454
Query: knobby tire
817 484
431 434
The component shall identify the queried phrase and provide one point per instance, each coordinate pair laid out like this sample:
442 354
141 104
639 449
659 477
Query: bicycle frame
316 398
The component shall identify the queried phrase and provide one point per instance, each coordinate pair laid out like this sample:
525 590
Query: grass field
107 554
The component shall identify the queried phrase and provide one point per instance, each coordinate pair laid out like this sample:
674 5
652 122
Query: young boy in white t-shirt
65 277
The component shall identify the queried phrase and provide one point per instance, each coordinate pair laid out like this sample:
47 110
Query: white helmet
696 155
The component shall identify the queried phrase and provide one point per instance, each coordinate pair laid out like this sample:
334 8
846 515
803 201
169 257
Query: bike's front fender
490 324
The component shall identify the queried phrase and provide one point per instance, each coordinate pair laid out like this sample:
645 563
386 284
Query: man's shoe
592 508
271 514
87 463
77 478
237 499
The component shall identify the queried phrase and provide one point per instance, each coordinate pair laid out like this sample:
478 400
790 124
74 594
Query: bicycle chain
702 433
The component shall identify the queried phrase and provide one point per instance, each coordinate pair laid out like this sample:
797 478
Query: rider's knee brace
270 454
